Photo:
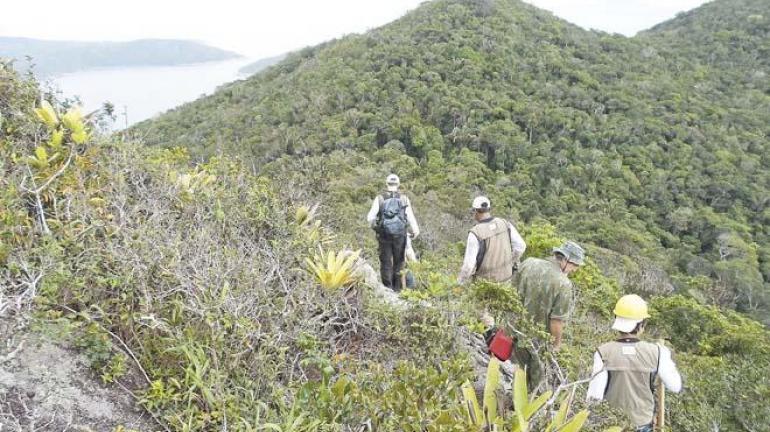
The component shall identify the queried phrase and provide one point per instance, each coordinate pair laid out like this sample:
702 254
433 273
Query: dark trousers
645 428
529 360
391 260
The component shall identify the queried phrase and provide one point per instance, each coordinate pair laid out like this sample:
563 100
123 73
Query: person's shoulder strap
481 253
404 199
509 224
387 195
384 196
508 227
654 374
474 230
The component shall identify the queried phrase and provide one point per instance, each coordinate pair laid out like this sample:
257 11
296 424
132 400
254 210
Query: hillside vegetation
641 145
188 270
189 284
59 57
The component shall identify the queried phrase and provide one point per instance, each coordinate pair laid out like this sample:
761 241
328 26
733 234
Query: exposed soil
47 386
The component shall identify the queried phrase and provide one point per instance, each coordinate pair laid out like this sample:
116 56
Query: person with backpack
493 248
625 370
392 218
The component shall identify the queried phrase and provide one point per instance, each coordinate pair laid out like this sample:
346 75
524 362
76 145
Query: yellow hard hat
631 307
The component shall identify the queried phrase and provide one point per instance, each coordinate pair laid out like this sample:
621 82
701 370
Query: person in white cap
625 370
493 247
392 218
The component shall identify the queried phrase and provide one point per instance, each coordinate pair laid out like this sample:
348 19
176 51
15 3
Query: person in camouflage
546 292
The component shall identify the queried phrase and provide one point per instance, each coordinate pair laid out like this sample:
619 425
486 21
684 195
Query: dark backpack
392 215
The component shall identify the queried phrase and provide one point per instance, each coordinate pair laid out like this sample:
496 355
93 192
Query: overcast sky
259 28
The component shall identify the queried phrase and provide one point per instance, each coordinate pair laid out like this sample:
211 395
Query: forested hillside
199 274
58 57
654 146
193 286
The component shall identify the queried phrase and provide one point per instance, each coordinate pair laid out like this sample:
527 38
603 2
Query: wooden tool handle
661 418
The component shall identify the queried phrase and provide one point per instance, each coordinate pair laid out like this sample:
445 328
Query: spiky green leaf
520 398
534 406
576 423
472 408
47 114
490 389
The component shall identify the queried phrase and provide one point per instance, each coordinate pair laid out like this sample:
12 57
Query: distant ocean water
144 92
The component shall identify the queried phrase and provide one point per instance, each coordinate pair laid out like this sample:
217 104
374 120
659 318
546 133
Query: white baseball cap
481 203
392 181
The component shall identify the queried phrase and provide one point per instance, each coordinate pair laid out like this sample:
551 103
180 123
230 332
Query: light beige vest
497 265
632 368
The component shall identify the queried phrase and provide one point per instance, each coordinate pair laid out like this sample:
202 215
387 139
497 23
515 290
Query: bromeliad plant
71 122
51 158
305 219
304 215
486 415
188 184
334 270
490 417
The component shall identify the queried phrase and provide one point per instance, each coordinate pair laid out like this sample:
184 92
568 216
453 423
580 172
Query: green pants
529 360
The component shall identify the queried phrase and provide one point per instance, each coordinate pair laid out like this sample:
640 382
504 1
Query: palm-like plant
304 215
305 218
334 270
487 416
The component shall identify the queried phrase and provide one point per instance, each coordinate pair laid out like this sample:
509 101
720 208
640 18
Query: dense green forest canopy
58 57
653 146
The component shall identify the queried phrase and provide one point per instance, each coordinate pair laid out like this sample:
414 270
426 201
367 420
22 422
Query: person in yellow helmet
625 370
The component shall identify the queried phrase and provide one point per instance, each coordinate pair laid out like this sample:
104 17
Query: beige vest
497 265
632 368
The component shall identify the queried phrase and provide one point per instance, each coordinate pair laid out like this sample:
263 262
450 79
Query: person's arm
517 243
667 371
411 220
598 379
560 309
469 261
371 217
556 327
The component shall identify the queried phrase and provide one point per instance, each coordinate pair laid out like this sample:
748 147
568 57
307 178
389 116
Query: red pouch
501 346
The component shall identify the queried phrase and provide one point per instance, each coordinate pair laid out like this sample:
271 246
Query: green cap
572 251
